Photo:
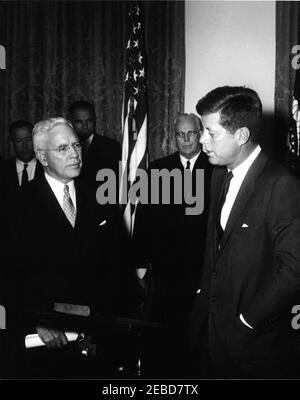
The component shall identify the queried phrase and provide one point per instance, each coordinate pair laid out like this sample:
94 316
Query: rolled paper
35 341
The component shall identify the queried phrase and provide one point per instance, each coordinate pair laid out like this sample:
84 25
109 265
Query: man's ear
40 155
243 135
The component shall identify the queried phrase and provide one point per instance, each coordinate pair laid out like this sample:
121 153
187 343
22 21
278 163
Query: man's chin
27 159
212 159
74 172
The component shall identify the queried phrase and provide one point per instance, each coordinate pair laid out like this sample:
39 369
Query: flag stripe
296 116
134 112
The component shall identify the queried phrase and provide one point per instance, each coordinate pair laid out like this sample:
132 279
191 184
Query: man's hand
52 338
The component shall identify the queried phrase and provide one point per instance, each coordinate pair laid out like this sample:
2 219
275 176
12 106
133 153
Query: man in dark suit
71 261
17 171
241 320
98 151
172 242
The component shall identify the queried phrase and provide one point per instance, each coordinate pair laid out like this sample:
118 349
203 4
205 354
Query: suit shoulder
85 188
106 142
7 164
278 175
165 162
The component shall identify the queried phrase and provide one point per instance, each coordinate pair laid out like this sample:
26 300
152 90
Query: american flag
134 113
294 132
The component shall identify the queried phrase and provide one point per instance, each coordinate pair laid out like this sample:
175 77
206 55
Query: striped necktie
68 206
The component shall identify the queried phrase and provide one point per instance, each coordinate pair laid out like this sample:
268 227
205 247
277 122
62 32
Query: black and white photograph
149 193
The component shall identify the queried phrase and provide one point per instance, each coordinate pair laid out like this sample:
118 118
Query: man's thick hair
238 106
82 105
42 129
18 125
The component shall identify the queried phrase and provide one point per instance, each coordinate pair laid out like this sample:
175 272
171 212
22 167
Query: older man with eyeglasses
169 243
71 262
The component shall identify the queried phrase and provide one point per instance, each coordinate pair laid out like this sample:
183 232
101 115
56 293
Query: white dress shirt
30 169
192 160
239 174
58 189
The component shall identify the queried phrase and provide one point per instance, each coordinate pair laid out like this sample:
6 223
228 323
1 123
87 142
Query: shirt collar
241 170
58 186
192 160
20 164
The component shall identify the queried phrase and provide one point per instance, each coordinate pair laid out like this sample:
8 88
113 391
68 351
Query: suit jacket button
212 299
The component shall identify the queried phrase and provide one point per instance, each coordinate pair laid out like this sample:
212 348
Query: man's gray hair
192 117
42 129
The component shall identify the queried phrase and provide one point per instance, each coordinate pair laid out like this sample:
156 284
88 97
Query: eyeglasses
182 135
65 148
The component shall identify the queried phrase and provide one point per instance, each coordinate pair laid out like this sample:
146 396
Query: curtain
287 20
62 51
165 46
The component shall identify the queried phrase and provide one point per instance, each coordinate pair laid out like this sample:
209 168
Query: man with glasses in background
169 244
71 261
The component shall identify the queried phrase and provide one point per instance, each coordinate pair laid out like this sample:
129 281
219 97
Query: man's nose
74 151
186 136
85 124
204 137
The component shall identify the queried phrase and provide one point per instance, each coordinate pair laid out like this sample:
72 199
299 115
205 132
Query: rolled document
35 341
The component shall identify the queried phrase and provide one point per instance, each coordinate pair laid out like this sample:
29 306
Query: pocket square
245 226
198 291
102 223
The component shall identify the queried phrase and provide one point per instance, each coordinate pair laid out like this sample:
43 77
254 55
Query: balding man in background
98 151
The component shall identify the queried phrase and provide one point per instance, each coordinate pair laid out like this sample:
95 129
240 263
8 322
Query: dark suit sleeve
283 223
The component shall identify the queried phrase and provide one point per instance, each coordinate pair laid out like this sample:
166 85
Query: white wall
230 43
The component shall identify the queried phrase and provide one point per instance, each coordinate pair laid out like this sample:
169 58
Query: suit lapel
80 203
14 174
38 169
216 190
201 161
177 162
245 192
52 206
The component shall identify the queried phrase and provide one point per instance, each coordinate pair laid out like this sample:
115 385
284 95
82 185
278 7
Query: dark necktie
187 167
24 179
68 206
222 199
